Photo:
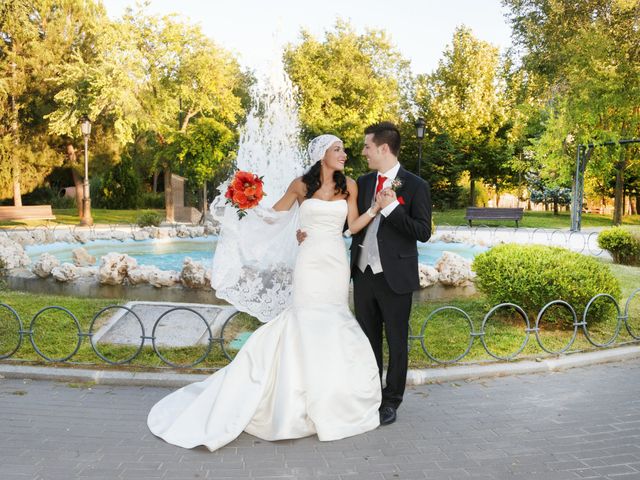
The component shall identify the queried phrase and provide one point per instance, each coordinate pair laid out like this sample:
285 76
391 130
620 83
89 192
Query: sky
256 29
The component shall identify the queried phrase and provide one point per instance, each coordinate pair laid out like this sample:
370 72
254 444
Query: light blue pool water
169 254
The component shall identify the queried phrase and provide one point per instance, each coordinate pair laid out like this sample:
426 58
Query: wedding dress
310 370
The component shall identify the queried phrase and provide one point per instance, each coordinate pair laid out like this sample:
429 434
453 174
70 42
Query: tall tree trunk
472 191
15 170
77 179
168 195
637 203
618 204
79 184
625 211
155 182
555 207
204 199
17 191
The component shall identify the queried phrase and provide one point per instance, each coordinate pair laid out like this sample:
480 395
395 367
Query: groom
384 256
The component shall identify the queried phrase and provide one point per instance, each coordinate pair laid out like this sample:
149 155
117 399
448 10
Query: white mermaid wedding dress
308 371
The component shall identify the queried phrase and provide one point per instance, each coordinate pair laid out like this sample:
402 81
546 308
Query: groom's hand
300 236
386 197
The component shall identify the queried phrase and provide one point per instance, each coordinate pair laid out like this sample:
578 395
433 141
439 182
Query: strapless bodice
323 217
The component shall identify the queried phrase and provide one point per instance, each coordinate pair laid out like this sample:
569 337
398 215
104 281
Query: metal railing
622 317
581 242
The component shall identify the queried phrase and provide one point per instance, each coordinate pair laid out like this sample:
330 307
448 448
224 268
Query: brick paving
577 424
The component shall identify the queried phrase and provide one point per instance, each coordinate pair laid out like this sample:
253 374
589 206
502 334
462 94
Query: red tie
381 180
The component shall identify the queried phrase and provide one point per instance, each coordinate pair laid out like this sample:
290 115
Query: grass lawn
69 216
56 334
448 217
446 335
535 220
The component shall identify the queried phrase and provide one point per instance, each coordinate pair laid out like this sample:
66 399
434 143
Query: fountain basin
169 253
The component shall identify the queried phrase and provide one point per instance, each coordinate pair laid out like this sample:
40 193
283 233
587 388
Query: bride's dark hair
311 179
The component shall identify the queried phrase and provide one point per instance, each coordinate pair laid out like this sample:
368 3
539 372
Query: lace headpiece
319 146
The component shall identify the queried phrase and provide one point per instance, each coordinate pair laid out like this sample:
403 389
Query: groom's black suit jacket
397 233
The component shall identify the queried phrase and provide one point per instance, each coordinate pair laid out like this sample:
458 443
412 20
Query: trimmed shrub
149 219
120 187
48 195
623 246
533 275
152 200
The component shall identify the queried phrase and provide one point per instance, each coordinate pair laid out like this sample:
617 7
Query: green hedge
119 188
152 200
623 246
533 275
148 219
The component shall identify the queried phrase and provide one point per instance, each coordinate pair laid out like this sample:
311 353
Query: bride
310 370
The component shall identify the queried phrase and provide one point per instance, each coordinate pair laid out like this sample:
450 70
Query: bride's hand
300 236
376 207
385 198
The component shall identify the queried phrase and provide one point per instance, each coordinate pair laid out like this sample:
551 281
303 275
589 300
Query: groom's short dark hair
385 132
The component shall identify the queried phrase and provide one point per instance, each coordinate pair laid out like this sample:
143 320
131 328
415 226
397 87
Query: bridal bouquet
244 192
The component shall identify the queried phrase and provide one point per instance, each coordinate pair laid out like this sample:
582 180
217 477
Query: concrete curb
469 372
425 376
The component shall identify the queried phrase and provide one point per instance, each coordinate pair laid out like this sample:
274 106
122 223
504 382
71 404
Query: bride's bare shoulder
352 185
297 185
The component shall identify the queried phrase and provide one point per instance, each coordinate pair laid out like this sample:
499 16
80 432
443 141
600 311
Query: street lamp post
85 128
420 134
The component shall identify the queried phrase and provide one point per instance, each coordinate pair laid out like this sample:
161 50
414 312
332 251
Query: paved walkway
580 423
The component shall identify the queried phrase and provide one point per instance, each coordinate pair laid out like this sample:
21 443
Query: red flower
245 191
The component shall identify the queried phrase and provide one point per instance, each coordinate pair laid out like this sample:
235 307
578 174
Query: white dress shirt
391 175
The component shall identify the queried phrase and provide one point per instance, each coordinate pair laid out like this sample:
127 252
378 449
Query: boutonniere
396 184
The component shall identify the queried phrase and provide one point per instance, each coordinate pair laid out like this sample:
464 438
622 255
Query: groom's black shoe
387 415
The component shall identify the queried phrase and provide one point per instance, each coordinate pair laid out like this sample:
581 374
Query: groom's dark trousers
383 301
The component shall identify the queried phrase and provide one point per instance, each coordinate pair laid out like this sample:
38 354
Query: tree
205 151
146 81
103 79
32 40
37 37
588 54
190 76
346 82
465 98
543 191
440 165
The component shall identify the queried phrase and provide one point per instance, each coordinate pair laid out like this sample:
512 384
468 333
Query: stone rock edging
121 269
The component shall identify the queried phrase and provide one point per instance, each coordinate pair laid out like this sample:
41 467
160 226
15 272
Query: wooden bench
26 212
479 213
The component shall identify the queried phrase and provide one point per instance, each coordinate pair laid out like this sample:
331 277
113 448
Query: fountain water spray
269 142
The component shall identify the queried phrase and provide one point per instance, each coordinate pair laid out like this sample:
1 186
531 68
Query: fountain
269 143
269 146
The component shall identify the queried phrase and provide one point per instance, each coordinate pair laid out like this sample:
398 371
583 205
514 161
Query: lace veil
254 258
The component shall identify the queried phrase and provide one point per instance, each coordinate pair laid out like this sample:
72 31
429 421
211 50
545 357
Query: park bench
479 213
26 212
